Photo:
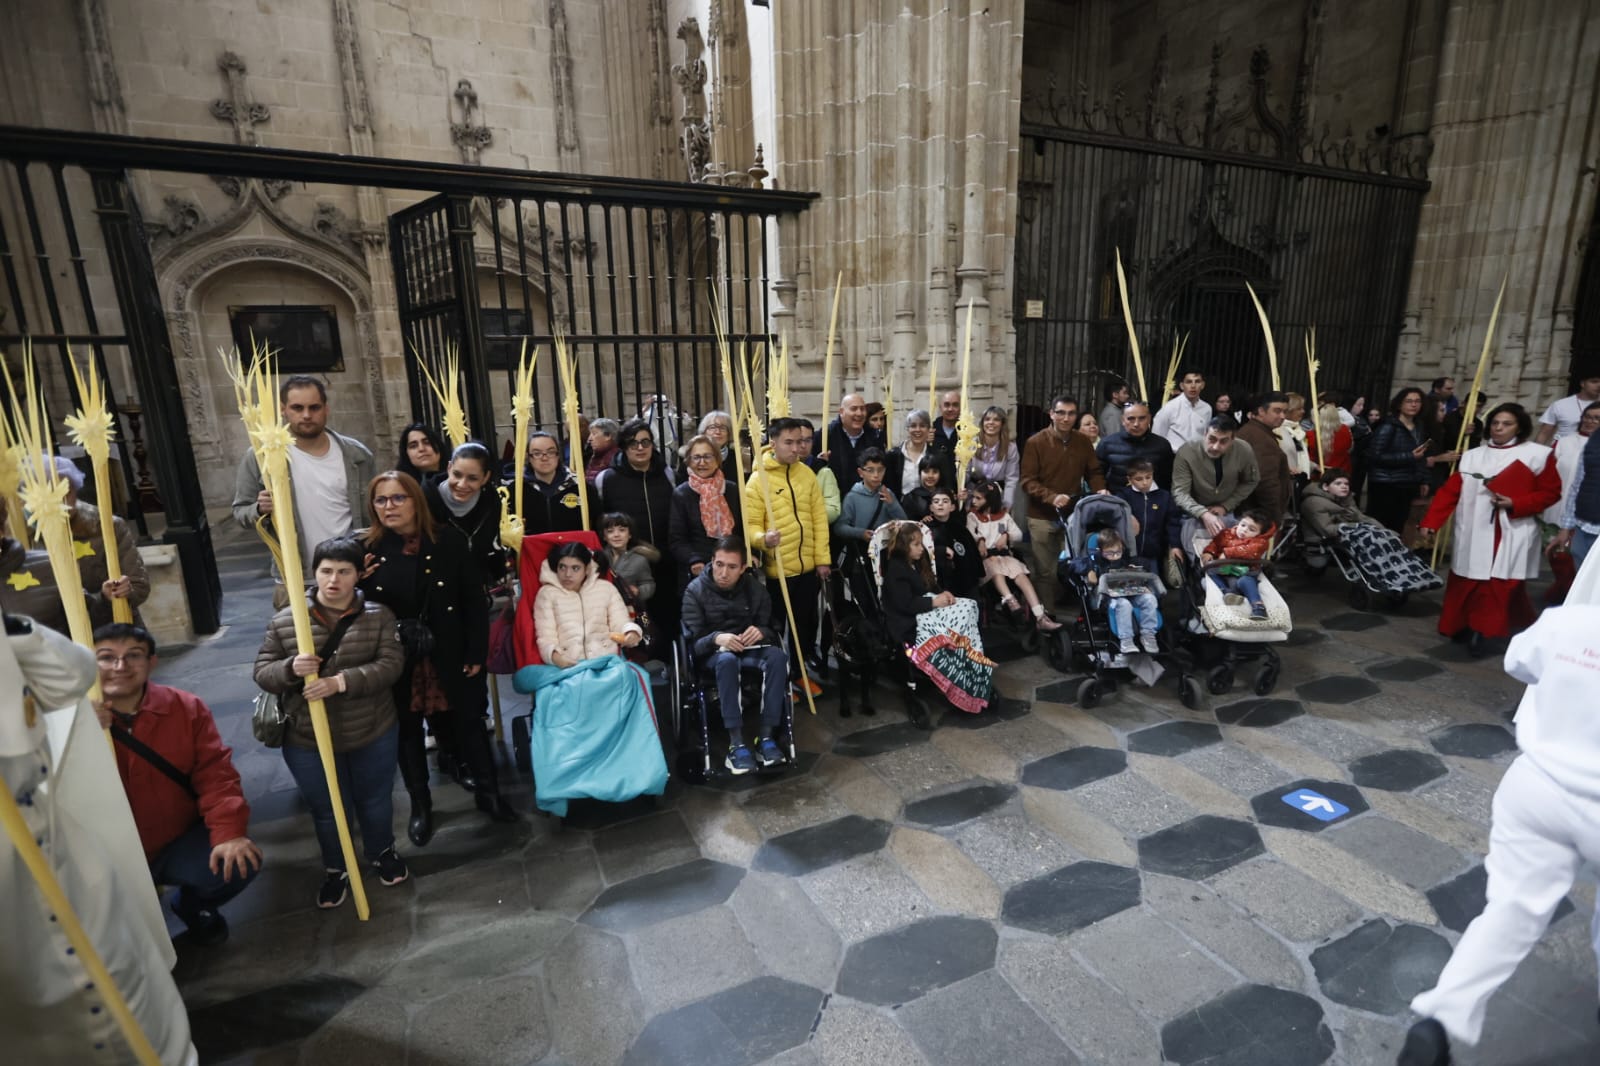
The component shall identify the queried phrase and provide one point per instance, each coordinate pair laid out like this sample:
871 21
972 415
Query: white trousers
1540 835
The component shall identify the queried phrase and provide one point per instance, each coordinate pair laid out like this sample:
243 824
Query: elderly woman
900 464
1495 497
706 506
605 442
716 427
594 735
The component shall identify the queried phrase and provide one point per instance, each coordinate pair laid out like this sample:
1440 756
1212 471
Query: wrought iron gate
1322 228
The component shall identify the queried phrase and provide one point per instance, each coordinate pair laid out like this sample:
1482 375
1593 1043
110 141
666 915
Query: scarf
460 510
715 514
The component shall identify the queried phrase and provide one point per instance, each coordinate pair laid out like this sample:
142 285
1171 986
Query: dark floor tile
1270 809
1341 688
1299 637
1404 670
899 966
724 782
953 808
1071 898
1461 899
980 1020
1000 709
1399 770
744 1025
817 846
1174 738
880 740
669 893
1354 622
1259 713
1079 766
1199 847
1065 691
1379 966
1252 1025
272 1016
1448 652
591 814
1473 741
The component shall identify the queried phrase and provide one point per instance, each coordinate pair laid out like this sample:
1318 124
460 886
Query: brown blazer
1273 491
1052 465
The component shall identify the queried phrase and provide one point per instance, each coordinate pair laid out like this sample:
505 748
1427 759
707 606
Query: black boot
1477 645
420 830
1426 1045
496 807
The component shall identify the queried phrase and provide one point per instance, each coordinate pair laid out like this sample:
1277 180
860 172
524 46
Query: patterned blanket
1384 559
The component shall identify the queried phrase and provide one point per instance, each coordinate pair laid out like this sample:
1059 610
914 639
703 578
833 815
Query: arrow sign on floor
1315 804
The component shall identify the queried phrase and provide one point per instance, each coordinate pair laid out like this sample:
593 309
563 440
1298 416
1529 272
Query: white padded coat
579 624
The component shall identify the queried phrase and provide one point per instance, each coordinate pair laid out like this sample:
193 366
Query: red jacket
178 726
1230 545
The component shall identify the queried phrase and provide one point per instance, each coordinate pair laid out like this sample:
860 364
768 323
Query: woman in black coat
425 572
466 501
688 538
1398 463
639 484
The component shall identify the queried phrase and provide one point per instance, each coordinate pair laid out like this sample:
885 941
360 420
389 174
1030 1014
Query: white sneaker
1233 599
1128 646
1148 642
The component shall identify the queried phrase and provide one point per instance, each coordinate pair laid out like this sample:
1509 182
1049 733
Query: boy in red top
1248 541
193 829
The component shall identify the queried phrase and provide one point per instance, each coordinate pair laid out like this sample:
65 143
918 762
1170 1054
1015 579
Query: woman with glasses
425 573
705 508
717 427
900 465
640 485
550 490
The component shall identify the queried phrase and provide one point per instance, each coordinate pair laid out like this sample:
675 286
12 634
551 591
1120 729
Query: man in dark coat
848 436
1134 441
1260 432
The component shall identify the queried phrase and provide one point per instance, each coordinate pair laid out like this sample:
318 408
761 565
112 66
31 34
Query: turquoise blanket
593 734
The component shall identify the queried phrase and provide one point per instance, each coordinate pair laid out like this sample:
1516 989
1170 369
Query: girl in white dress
998 534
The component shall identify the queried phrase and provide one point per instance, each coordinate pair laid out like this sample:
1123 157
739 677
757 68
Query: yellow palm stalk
521 421
778 381
92 429
256 389
1469 411
1266 331
827 360
454 416
10 478
734 409
966 425
1170 385
1316 403
888 410
567 366
1133 336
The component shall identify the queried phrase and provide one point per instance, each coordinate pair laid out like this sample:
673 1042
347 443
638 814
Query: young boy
1249 542
916 501
956 559
1158 522
1130 605
868 504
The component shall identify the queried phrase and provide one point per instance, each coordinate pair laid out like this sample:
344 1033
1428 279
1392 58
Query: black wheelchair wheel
522 743
1360 597
1190 694
1089 694
1058 650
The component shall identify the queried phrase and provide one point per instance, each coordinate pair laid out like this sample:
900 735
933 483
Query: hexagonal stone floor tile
1448 652
1069 769
1252 1025
1270 809
289 1011
880 741
1403 670
1461 899
1380 966
1000 709
904 964
1354 622
964 804
746 1024
1173 738
802 765
1071 898
1340 688
665 894
1259 713
1065 691
816 846
1299 637
1200 847
1398 770
1473 741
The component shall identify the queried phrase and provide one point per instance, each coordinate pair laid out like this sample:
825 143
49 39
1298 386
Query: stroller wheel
1030 638
1360 597
1058 649
1219 680
1088 694
1189 692
1266 680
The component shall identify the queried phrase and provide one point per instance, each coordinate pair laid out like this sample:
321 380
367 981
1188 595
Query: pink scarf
715 514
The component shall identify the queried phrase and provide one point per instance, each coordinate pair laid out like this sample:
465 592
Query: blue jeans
366 780
1581 543
1245 585
1124 608
774 666
186 863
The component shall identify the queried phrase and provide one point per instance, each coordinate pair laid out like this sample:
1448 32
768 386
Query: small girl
1249 542
992 526
630 560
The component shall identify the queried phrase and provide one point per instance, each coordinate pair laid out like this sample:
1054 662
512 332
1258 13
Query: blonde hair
1327 424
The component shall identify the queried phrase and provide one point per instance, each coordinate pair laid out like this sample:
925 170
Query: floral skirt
949 649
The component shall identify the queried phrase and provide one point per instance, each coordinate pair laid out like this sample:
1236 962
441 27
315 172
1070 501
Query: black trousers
1390 502
804 591
463 724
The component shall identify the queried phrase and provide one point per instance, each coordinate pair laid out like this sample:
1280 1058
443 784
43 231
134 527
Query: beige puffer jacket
579 624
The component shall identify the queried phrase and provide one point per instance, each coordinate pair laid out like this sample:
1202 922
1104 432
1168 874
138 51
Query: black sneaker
335 886
391 868
207 929
768 753
739 760
1426 1045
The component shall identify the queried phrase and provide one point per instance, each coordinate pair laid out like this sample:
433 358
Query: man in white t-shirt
330 473
1562 417
1184 417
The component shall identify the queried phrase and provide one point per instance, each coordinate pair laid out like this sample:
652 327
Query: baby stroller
1375 561
1222 637
860 645
576 752
1088 641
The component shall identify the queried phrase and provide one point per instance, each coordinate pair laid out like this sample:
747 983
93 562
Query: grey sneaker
1149 643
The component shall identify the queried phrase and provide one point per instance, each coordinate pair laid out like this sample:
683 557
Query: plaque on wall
305 338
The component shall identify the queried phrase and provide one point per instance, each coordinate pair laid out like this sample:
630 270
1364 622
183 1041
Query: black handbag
416 638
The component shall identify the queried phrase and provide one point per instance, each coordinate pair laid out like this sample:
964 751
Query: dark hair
403 461
779 426
1141 466
126 631
874 408
631 428
1113 386
1113 537
340 550
872 455
931 462
1222 424
1438 383
1259 517
1517 411
990 495
546 435
1266 399
1591 407
1185 371
1064 398
733 544
301 381
1332 474
1400 398
612 519
476 452
572 549
419 503
941 490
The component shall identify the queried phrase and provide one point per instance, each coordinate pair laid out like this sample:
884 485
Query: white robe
1568 451
1475 556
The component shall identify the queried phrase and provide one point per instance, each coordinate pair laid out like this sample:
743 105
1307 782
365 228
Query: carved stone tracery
470 136
694 138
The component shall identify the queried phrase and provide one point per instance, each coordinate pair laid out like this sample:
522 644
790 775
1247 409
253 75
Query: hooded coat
579 624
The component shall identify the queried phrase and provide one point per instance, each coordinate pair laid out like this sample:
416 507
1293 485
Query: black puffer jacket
709 610
556 508
480 526
644 496
1389 458
1121 449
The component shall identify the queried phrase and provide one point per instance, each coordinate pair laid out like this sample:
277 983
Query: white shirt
1565 414
1557 727
321 498
1181 422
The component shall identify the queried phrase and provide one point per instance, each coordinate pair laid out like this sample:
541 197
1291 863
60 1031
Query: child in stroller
1233 559
1125 589
1372 558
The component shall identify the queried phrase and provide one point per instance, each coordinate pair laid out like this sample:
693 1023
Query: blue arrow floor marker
1315 804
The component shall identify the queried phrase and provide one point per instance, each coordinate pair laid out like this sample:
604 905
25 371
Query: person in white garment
1184 417
58 768
330 473
1560 419
1546 821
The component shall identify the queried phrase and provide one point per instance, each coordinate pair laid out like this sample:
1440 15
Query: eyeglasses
544 453
390 501
702 457
641 442
111 661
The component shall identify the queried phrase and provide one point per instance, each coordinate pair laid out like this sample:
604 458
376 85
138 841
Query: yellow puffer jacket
799 514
